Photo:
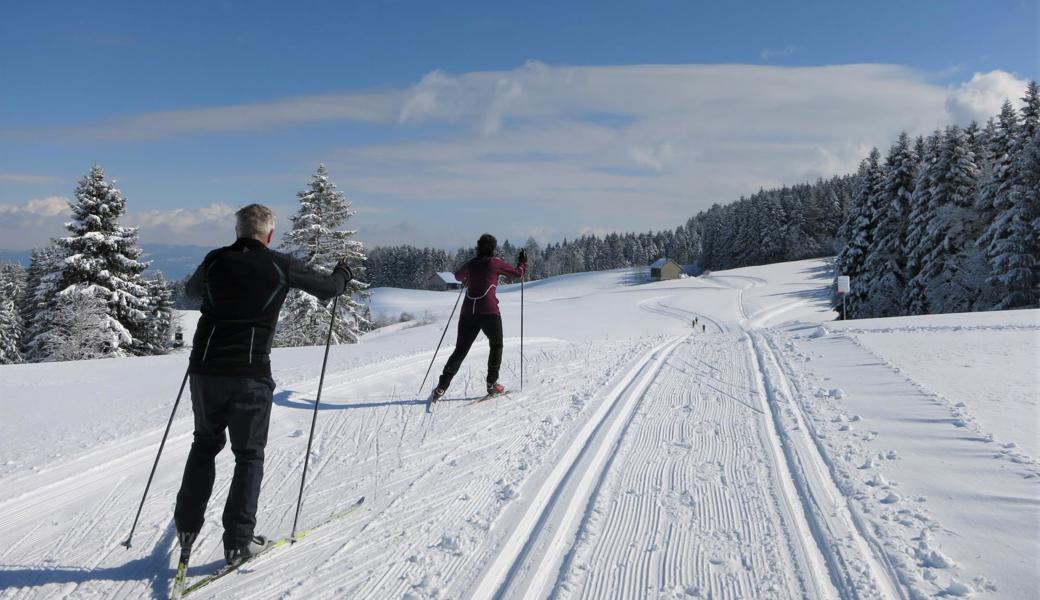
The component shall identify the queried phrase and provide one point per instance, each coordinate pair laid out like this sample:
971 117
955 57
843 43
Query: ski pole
148 485
314 420
522 332
423 384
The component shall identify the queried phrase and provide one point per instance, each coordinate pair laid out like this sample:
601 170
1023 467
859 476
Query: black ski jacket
242 287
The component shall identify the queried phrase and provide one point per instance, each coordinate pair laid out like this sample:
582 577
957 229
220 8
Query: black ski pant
469 327
241 406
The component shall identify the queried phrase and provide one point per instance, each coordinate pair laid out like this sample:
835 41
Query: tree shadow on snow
154 568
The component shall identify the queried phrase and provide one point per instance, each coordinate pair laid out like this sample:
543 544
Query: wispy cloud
32 223
633 146
180 220
40 207
25 178
260 116
768 54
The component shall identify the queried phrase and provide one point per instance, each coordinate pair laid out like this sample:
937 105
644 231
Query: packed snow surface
766 452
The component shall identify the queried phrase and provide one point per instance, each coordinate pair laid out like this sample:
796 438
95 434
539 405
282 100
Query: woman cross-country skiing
480 312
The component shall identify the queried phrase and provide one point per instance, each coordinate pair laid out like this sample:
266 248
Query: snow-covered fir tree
922 209
159 315
101 261
80 327
884 271
953 268
317 237
1021 255
12 288
1006 239
865 216
42 284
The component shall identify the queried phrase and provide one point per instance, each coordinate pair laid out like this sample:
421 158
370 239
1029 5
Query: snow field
763 457
954 508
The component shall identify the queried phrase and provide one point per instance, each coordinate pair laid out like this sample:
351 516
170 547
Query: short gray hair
254 221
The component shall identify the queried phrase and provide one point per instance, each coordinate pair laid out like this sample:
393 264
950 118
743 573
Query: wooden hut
441 282
665 268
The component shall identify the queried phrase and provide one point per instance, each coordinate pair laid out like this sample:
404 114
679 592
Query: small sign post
844 285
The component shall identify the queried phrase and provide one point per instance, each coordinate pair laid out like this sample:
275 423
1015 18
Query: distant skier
480 312
242 287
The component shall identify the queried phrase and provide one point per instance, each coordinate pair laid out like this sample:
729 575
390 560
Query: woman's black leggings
469 327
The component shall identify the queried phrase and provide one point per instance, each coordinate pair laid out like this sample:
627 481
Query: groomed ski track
664 465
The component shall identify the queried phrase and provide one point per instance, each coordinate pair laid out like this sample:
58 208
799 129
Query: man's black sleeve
324 287
195 285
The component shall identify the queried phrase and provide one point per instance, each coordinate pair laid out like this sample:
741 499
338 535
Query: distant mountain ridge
176 261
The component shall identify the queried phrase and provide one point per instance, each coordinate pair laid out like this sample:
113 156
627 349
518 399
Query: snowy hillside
763 456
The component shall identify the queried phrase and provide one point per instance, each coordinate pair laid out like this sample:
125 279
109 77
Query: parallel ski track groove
514 552
370 574
643 496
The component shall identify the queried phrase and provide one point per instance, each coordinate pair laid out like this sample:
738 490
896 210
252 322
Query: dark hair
486 246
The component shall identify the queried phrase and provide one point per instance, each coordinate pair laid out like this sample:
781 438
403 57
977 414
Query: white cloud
637 147
50 206
982 96
33 222
769 54
212 225
555 149
260 116
24 178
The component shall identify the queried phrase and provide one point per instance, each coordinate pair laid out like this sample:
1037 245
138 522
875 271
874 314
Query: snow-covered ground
761 456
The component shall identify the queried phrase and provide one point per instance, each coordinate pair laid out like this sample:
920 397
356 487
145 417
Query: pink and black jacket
481 278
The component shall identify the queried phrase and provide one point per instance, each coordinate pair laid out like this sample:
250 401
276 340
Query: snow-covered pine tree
36 307
317 239
861 232
1005 239
953 270
101 261
12 288
886 263
81 327
1020 256
922 211
976 139
159 323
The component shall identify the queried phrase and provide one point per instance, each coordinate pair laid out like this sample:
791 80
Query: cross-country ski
270 545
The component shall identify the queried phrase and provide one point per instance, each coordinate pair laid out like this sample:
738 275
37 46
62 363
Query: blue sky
443 120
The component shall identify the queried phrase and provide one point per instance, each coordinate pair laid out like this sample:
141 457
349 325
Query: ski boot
235 556
436 395
186 540
495 389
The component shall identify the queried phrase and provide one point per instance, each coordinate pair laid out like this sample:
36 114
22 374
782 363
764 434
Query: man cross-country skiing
242 287
480 312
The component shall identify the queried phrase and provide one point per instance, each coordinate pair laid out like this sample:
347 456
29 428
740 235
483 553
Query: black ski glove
522 257
343 268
